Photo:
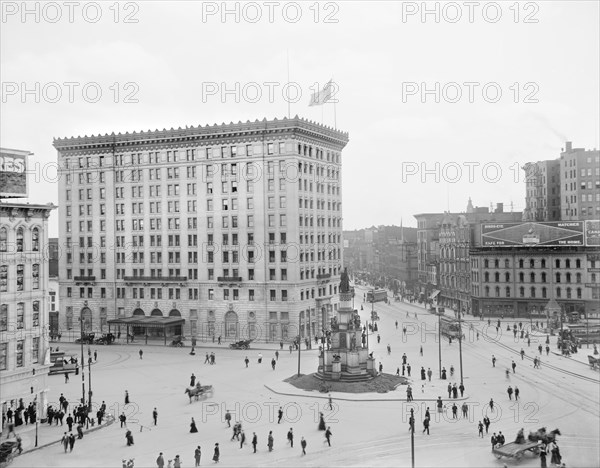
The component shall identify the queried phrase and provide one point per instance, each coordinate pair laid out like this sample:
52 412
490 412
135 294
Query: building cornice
19 210
197 135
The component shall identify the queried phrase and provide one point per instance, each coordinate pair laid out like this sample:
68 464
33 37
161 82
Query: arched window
532 263
558 277
497 277
20 277
506 263
578 277
521 277
578 293
4 317
3 239
543 263
486 277
568 293
507 291
35 240
558 292
497 291
544 293
521 291
568 275
532 292
20 241
3 278
507 277
543 277
486 263
521 262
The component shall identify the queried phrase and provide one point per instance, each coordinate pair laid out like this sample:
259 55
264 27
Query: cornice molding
251 131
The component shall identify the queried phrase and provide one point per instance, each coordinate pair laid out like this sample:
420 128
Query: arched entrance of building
232 325
176 330
138 330
86 317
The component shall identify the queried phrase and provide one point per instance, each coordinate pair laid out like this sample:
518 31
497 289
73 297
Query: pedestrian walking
408 368
155 416
242 438
494 440
260 358
426 425
465 409
193 427
493 361
126 397
277 355
160 460
321 422
398 371
380 367
449 390
522 354
217 453
429 373
303 445
330 402
122 418
543 454
247 361
228 418
279 415
192 380
176 462
141 354
516 393
486 421
273 363
270 441
454 411
254 441
328 435
461 387
197 455
509 390
492 405
547 350
480 427
95 355
65 441
514 366
421 351
290 437
71 442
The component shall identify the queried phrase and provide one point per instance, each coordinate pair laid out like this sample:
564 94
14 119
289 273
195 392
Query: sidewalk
49 435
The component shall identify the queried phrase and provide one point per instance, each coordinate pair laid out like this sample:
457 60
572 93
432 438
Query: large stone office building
235 228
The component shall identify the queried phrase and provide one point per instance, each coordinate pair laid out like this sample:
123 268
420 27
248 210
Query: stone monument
347 359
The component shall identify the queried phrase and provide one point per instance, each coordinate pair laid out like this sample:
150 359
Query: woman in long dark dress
193 427
321 422
217 453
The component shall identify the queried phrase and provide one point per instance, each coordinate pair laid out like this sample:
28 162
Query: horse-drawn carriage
199 392
374 316
178 341
7 452
243 344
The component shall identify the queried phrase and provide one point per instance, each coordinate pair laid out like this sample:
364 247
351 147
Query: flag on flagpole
321 97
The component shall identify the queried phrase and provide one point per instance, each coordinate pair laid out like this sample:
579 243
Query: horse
196 392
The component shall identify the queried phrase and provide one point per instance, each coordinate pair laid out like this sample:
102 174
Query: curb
358 400
109 421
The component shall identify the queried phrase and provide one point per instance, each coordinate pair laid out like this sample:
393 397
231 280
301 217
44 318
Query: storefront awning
434 294
149 322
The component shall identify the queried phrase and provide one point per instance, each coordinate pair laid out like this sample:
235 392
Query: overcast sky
381 56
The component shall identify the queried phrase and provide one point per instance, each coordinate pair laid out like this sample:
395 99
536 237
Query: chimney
569 146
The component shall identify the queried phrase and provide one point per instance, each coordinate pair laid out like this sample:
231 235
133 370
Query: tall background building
235 228
24 350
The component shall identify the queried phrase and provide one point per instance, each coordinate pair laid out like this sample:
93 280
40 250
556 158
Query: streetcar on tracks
450 327
377 295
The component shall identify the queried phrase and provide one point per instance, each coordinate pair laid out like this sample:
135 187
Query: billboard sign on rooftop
13 173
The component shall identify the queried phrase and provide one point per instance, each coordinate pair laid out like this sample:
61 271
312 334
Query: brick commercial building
24 350
234 228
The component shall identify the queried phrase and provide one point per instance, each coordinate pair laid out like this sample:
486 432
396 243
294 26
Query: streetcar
376 295
450 327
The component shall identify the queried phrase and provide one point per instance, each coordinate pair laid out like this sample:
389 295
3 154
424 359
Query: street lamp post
37 416
412 437
89 384
82 364
299 345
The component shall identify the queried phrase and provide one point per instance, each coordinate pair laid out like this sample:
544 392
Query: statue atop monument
345 282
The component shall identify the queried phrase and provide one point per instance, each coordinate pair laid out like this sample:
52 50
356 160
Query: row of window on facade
532 277
532 292
19 316
20 278
21 244
19 354
558 263
156 157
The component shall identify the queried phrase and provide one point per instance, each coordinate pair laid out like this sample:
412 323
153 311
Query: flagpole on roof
288 80
334 109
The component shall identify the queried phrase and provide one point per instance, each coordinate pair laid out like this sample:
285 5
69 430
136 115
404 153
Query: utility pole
89 383
439 339
460 333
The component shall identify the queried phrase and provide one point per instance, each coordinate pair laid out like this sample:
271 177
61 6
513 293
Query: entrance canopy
434 294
